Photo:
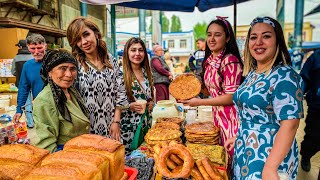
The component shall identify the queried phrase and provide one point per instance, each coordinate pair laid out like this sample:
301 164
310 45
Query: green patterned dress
131 119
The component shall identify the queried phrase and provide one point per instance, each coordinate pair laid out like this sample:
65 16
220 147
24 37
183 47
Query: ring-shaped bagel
180 151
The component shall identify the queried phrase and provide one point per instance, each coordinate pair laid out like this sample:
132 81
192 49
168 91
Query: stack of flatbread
202 133
162 133
159 134
175 120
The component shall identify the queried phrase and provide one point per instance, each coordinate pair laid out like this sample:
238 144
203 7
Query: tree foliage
175 24
199 30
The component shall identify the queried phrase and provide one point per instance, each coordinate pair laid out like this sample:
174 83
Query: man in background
30 80
19 60
310 74
196 59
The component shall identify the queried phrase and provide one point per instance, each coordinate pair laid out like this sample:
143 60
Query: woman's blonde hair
74 33
281 55
127 68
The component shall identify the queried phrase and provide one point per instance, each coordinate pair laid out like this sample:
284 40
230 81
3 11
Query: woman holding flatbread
222 74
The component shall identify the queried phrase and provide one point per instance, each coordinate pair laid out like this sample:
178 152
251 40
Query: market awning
36 28
314 11
169 5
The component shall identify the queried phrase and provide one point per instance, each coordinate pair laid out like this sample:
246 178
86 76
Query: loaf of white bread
113 150
17 160
79 157
85 157
23 153
65 171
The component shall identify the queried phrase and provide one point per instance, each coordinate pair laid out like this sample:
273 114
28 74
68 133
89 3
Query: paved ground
302 175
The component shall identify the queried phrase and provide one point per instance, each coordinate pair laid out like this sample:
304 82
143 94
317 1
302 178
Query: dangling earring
98 42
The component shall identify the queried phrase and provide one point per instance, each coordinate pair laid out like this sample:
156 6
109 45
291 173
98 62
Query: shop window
183 43
170 43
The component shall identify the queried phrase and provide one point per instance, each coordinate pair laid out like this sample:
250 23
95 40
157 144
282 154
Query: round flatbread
185 86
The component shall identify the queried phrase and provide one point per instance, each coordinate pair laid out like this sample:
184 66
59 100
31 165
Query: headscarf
52 59
156 47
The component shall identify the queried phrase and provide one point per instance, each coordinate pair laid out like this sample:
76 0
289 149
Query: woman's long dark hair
74 33
231 45
127 68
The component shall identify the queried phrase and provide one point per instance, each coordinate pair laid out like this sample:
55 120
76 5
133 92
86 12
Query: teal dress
263 100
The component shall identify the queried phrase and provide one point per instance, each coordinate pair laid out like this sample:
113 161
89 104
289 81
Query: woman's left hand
269 173
115 131
191 102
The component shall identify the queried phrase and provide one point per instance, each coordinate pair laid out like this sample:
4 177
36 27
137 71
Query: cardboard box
13 99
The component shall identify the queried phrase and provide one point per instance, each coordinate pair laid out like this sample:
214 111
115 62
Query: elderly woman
59 112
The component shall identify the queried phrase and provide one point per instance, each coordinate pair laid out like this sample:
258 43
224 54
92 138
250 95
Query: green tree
175 24
199 30
165 24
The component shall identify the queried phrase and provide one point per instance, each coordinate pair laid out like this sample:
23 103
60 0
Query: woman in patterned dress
269 103
99 80
222 69
139 85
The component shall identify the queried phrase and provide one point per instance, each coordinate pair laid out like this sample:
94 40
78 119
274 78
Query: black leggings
311 142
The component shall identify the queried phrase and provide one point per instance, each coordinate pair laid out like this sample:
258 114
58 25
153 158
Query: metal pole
280 12
298 27
142 24
83 9
113 30
235 18
298 24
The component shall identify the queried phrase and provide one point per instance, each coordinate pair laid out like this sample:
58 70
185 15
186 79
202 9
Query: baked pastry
12 169
181 151
166 125
162 134
170 119
23 153
185 86
125 176
80 157
202 128
211 170
111 149
65 171
214 152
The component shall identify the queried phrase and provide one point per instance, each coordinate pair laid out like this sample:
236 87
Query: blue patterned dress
263 100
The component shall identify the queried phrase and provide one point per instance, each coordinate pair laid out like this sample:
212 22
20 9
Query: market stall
173 148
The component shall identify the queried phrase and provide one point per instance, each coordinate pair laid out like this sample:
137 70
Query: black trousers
311 142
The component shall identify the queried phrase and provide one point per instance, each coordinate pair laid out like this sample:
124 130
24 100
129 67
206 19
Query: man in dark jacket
18 61
310 74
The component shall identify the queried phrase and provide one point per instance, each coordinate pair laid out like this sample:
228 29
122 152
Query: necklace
265 69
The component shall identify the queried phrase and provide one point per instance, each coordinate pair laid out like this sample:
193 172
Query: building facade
179 44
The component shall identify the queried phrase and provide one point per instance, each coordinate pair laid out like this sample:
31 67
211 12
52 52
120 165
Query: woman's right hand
229 144
16 117
134 106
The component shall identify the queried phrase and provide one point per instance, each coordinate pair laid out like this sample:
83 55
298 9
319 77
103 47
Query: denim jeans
28 111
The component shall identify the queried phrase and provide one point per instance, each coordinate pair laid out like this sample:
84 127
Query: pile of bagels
175 160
